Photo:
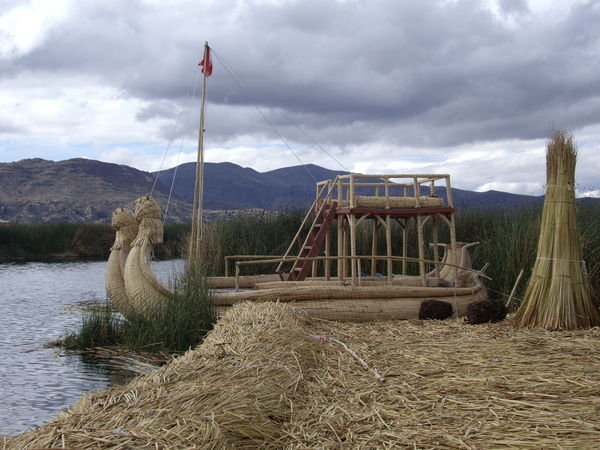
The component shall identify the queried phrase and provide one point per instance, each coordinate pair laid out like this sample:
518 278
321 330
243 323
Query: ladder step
318 225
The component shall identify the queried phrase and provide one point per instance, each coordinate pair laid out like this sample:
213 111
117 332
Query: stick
514 288
375 373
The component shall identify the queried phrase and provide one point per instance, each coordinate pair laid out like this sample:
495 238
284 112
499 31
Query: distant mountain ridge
84 190
76 190
229 186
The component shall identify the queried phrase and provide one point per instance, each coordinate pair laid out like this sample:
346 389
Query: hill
76 190
229 186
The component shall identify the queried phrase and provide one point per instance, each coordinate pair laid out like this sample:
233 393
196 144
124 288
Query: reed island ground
269 377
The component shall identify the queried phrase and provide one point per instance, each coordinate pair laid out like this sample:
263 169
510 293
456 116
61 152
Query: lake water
41 302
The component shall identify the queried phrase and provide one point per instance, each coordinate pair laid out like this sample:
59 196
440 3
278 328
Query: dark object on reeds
485 311
558 293
435 310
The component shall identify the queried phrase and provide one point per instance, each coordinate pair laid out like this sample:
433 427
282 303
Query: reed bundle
260 381
558 293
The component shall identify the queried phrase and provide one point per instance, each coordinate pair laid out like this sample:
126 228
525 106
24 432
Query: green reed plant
72 241
262 233
179 325
100 326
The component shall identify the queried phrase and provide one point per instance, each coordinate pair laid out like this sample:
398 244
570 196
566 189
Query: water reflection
40 302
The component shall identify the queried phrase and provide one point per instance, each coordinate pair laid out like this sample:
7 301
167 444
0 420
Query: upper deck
398 195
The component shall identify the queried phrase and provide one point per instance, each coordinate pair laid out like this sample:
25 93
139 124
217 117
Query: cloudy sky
467 87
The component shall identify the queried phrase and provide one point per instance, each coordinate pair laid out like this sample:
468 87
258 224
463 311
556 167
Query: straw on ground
260 380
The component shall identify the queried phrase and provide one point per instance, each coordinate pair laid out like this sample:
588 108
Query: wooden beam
404 212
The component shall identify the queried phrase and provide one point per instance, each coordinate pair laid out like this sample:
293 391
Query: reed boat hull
335 300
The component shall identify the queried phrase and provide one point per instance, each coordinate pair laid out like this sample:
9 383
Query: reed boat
324 274
325 271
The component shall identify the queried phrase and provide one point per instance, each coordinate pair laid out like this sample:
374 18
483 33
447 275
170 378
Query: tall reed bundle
558 294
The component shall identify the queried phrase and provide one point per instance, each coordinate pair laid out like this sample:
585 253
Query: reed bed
267 377
73 241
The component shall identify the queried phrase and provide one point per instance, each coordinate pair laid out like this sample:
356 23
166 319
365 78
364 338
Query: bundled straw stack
558 294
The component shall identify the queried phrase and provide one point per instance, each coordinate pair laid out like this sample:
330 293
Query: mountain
229 186
76 190
84 190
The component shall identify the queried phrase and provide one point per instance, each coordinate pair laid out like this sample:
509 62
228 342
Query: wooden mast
196 234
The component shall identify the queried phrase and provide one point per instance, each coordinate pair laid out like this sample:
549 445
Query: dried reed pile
260 381
234 391
451 385
558 293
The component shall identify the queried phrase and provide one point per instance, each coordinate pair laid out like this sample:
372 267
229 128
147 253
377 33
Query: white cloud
24 27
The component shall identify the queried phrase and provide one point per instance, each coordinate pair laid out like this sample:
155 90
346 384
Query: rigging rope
229 69
193 96
181 111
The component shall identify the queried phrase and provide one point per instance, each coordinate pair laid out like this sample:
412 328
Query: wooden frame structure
350 200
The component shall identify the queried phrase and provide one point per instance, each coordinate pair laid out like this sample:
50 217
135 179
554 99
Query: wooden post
353 248
449 193
346 249
374 249
388 239
327 254
340 247
387 193
453 246
351 191
436 251
359 272
421 249
417 193
404 245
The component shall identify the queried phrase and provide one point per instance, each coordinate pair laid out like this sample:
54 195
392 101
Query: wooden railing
358 258
345 187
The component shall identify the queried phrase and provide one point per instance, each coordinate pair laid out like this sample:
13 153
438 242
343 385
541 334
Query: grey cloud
9 127
513 6
157 109
419 73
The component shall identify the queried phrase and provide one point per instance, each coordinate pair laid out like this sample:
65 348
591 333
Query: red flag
206 62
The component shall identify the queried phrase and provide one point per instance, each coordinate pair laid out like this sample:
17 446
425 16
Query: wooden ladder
313 242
